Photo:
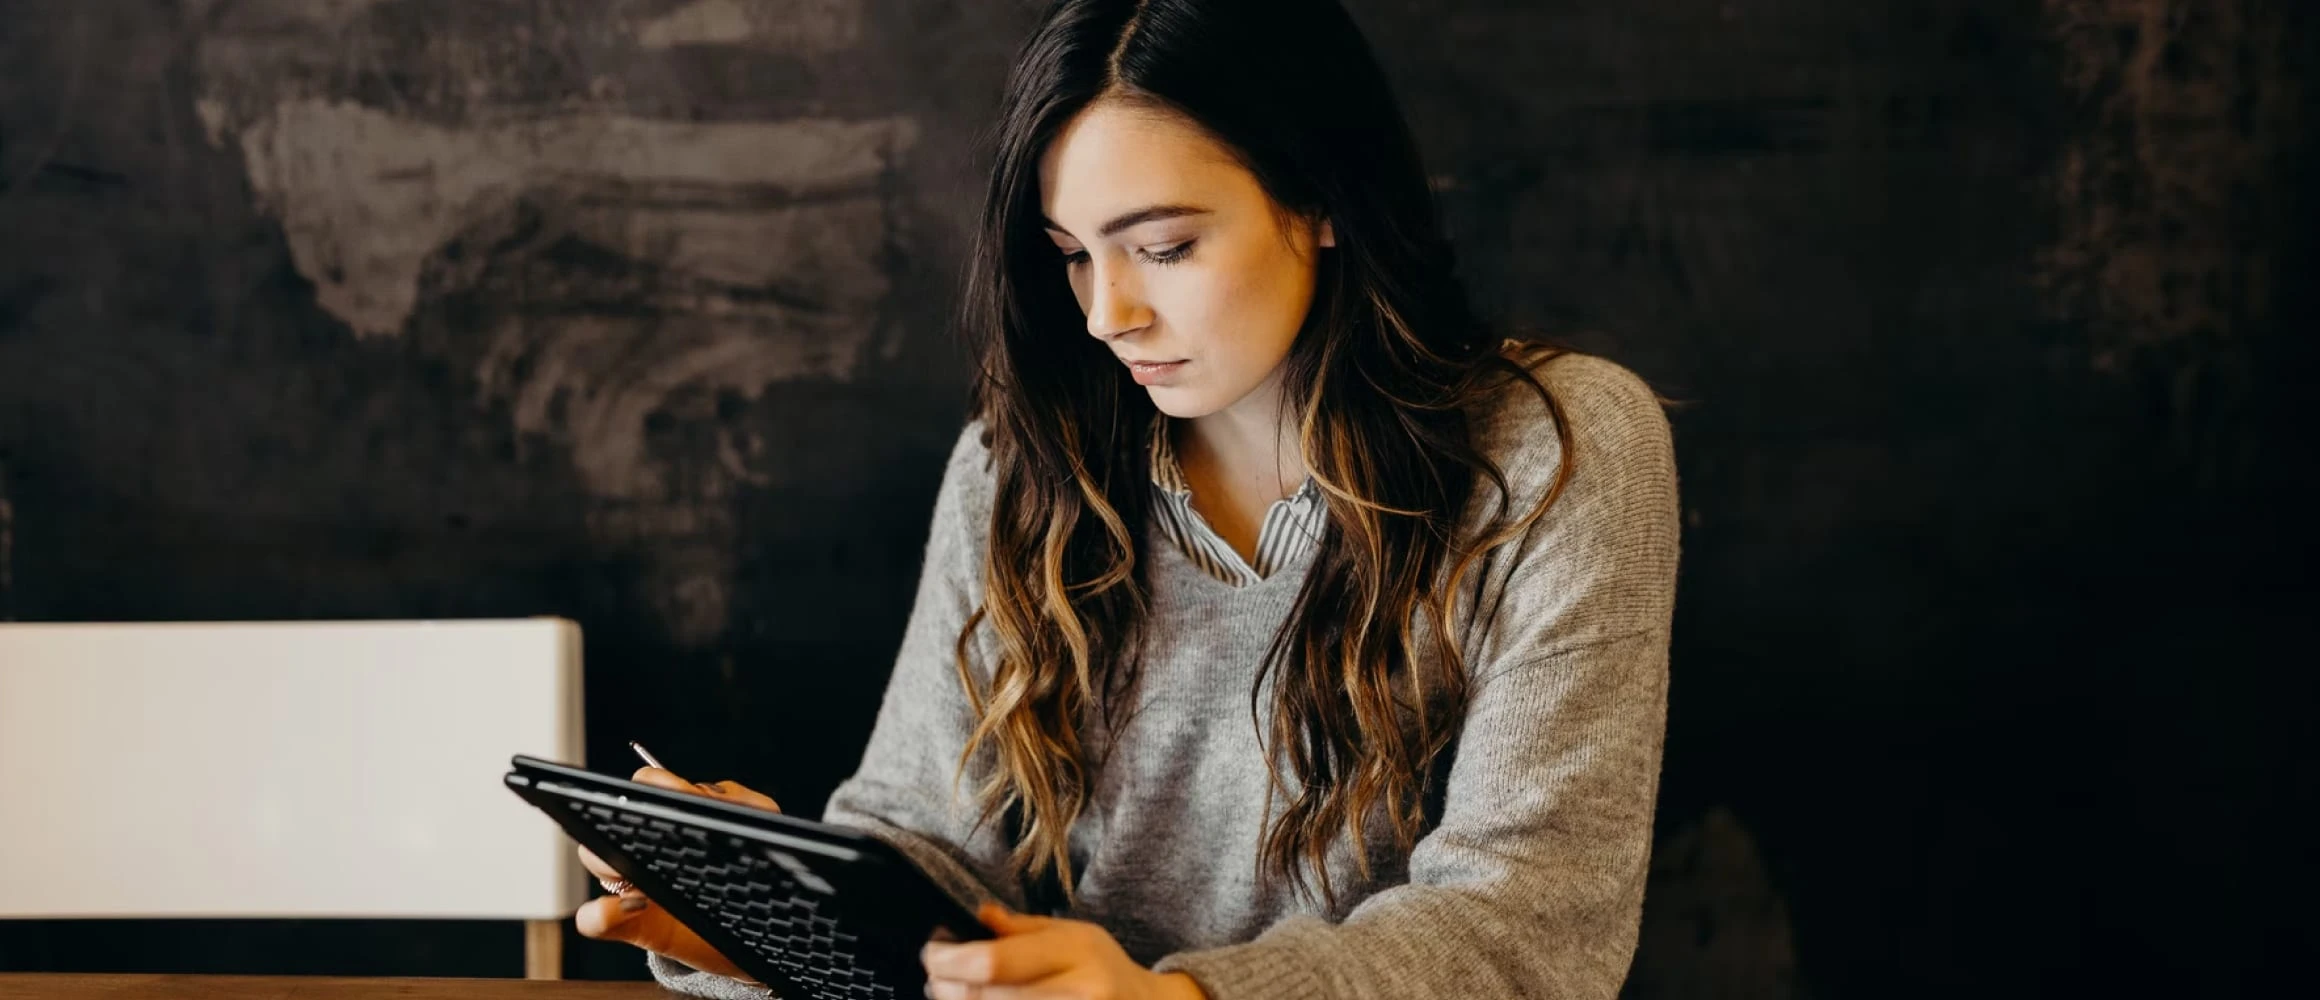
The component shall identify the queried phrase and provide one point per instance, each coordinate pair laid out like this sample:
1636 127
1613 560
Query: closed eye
1174 254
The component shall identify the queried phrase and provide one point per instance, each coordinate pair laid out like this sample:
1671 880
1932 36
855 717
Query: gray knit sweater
1531 882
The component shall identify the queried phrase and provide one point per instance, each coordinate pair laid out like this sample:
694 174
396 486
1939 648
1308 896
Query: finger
597 868
1003 921
730 791
1023 958
634 920
664 779
1057 988
738 793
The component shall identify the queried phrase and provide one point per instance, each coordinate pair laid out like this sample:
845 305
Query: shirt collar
1169 476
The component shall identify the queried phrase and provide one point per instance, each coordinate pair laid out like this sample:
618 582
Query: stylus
646 754
655 762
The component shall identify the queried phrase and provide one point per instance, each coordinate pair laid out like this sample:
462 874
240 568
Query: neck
1250 444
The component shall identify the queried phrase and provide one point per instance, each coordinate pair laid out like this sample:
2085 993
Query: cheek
1263 301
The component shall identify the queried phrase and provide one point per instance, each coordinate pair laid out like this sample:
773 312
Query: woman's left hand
1044 957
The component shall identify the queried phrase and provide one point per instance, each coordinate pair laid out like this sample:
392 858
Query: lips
1150 372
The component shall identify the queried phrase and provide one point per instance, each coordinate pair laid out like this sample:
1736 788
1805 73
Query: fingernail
631 904
711 789
937 958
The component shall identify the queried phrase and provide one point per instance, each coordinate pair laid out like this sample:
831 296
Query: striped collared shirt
1291 529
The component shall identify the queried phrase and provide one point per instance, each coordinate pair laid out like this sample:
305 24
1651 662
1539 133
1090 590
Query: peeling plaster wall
729 255
1989 324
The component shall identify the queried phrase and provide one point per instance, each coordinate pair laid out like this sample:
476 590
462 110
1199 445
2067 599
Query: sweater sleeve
902 793
1531 883
908 790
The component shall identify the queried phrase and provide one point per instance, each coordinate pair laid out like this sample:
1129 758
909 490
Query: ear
1328 234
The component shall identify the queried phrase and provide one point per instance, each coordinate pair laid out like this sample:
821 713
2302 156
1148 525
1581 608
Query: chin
1182 404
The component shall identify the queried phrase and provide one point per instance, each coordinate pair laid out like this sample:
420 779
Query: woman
1282 633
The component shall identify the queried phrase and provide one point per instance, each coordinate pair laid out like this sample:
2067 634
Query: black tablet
810 909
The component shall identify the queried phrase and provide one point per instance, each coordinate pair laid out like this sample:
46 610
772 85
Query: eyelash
1172 255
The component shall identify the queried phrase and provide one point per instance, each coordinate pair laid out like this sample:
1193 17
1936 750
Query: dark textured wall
1990 321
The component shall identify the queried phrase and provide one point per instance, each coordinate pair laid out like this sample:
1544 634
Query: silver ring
615 886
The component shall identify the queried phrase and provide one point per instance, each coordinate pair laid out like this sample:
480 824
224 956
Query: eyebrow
1136 218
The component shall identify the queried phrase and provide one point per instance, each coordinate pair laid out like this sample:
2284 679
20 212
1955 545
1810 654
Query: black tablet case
810 909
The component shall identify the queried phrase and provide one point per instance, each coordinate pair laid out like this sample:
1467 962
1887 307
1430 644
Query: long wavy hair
1367 680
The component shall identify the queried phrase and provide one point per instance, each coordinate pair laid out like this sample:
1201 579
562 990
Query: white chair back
284 769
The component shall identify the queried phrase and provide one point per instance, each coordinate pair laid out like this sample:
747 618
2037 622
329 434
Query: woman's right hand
631 917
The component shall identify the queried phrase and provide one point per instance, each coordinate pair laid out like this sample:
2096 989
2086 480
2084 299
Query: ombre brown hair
1367 680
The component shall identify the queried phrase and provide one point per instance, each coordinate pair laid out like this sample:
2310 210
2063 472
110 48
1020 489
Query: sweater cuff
1265 969
690 981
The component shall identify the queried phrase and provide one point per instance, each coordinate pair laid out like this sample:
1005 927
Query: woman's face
1186 269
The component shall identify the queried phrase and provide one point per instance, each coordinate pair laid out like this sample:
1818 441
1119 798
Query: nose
1114 305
